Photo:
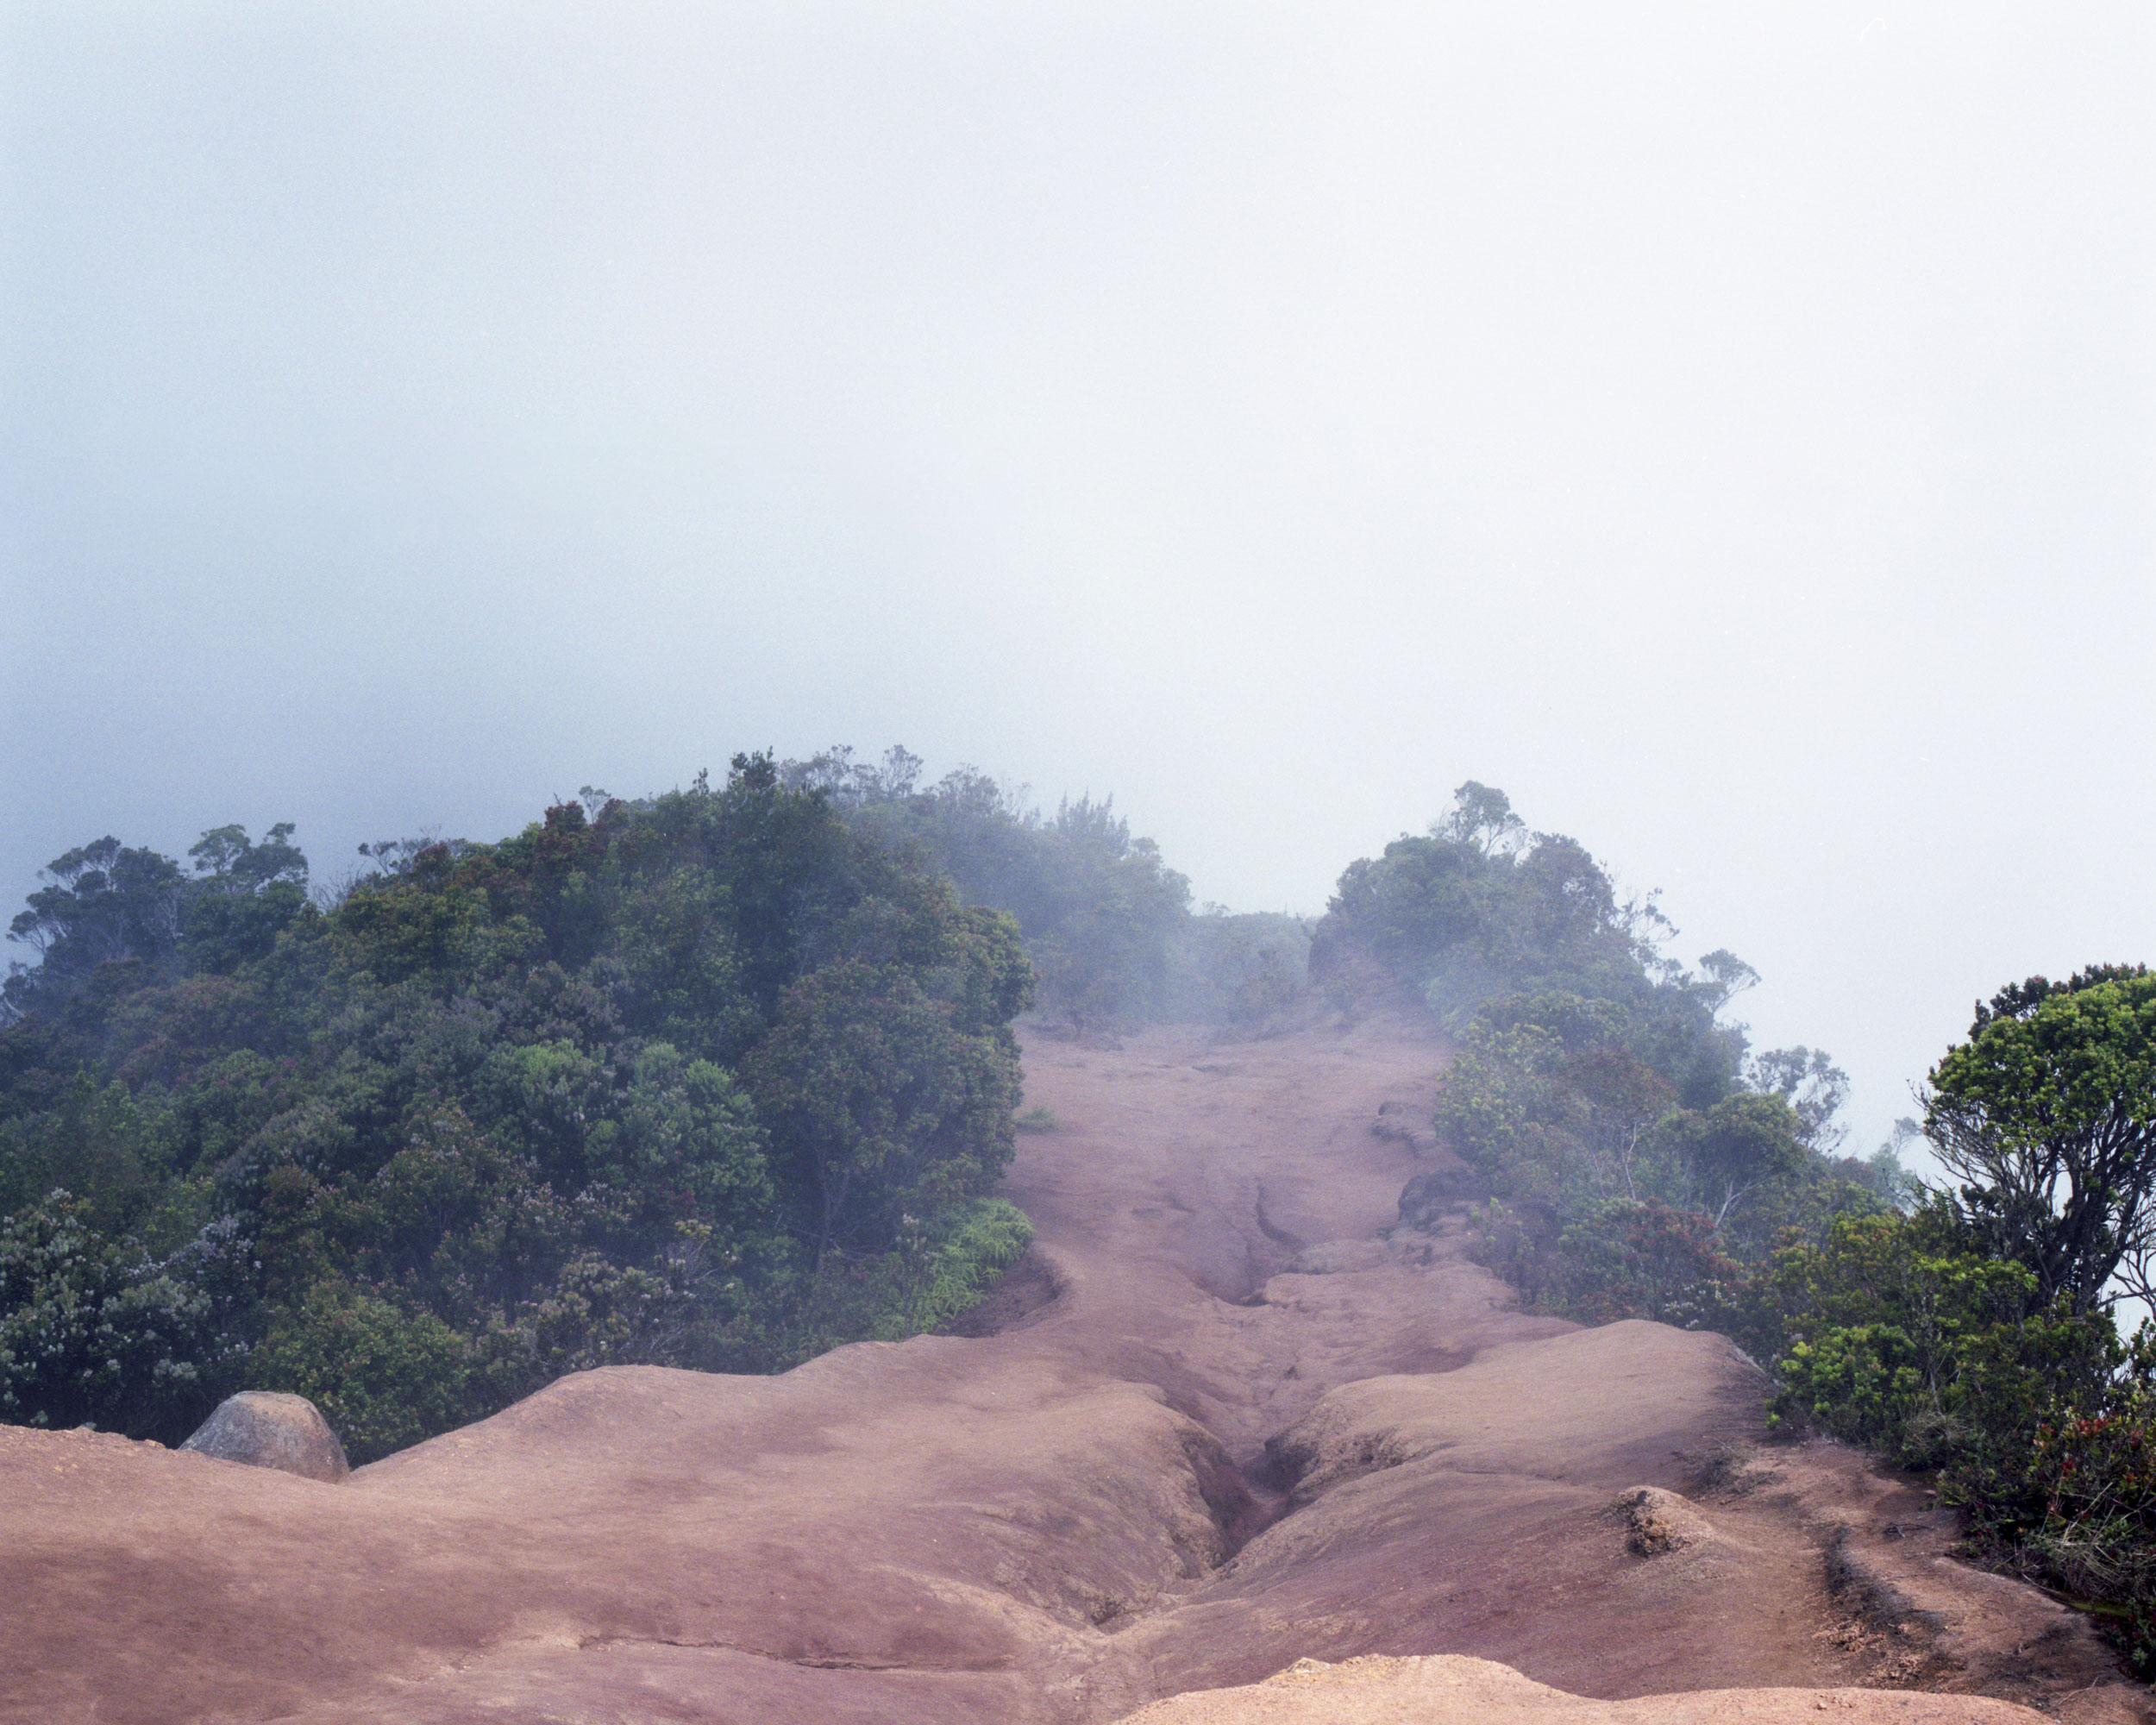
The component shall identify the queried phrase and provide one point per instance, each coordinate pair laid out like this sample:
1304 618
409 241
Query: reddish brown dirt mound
1448 1687
1223 1423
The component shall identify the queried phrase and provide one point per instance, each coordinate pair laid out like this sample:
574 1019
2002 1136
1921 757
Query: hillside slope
1225 1425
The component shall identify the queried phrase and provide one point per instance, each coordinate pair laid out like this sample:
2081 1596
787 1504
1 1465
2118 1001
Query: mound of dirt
1446 1688
1226 1414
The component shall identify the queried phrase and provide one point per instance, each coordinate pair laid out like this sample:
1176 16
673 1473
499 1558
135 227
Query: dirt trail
1226 1425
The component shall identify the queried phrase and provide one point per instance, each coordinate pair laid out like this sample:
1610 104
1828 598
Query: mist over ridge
963 864
1728 433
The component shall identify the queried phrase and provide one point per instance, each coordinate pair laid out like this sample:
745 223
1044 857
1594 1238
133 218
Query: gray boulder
268 1428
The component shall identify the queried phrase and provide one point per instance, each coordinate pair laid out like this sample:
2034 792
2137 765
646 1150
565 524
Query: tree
243 894
1484 907
2048 1117
94 1330
1482 817
1105 958
1722 977
889 1107
1104 919
1742 1143
101 901
1628 1100
1814 1087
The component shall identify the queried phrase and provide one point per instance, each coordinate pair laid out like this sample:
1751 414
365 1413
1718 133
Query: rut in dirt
1107 1485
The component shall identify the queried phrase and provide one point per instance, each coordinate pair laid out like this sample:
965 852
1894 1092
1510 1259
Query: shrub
94 1331
683 1080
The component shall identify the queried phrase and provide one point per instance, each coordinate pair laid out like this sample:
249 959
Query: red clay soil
1377 1691
1223 1423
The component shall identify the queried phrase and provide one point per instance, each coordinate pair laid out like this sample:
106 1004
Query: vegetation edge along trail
719 1078
1637 1159
724 1077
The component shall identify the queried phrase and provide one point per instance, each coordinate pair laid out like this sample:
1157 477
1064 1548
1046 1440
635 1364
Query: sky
1726 427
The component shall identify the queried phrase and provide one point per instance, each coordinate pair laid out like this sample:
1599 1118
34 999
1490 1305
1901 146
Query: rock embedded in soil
270 1428
1662 1522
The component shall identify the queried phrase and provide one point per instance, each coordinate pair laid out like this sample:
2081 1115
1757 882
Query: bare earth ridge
1224 1424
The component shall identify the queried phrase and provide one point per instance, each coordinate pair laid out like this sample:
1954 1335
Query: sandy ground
1220 1422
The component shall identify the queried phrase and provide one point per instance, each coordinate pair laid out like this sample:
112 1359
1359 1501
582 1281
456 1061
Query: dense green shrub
1893 1332
936 1273
717 1078
1904 1333
95 1331
1975 1335
1614 1259
383 1374
1614 1199
2089 1507
1641 1166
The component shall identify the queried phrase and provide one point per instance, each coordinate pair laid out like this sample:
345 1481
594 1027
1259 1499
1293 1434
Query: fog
1726 428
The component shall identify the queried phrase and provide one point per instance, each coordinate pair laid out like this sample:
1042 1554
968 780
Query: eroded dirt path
1229 1425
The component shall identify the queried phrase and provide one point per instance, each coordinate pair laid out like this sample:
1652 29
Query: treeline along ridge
719 1078
724 1077
1631 1157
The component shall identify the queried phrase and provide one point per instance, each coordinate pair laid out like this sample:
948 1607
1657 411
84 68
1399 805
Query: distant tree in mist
1598 1091
1107 922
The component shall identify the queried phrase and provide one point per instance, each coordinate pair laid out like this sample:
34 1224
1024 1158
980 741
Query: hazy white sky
1726 427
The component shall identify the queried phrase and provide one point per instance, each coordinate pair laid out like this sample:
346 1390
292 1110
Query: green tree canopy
2046 1114
712 1078
102 903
